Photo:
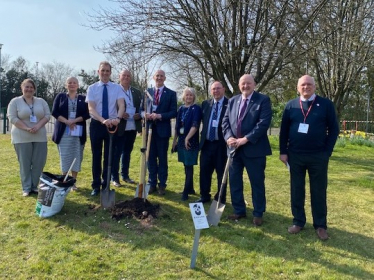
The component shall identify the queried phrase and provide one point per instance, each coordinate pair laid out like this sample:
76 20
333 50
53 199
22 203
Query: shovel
142 188
216 209
107 197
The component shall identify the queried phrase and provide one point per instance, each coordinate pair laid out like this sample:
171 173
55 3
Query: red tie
157 96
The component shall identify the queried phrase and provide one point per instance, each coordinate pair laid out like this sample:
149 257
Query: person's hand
137 117
115 122
126 116
284 158
174 147
231 142
148 116
187 143
107 123
241 141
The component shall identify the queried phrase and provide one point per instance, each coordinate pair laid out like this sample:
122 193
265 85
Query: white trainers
25 194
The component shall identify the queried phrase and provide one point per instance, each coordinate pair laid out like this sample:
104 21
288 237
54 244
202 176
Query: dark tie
240 118
105 114
157 96
212 131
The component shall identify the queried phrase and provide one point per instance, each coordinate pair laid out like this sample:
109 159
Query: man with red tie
245 125
159 113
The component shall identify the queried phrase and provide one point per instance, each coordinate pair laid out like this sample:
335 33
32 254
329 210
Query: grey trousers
31 157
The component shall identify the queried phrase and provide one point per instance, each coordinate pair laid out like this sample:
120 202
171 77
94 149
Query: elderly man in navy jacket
245 125
307 137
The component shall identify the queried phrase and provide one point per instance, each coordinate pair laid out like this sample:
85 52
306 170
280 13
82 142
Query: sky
44 31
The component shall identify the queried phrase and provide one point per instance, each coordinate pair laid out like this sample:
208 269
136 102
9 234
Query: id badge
72 115
181 130
303 128
33 119
154 108
215 123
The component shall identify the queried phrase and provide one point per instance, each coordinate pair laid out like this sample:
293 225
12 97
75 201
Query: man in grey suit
159 113
129 126
213 154
245 125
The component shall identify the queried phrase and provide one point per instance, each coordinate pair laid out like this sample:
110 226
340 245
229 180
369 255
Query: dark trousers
128 146
213 156
158 160
122 151
316 164
99 136
255 168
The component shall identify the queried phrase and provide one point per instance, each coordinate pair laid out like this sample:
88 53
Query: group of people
237 126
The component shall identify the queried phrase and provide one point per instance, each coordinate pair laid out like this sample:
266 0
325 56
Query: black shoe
128 180
152 190
203 200
184 197
161 190
189 192
95 192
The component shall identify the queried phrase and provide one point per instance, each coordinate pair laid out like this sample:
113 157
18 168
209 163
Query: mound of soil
136 207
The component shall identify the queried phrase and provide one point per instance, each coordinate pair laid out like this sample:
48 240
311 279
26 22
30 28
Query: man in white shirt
103 98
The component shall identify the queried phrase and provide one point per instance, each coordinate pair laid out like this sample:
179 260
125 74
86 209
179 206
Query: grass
83 242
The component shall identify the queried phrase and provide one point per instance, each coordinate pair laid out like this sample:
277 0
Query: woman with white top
28 115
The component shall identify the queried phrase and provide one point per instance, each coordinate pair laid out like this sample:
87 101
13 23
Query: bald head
159 77
306 86
125 78
247 84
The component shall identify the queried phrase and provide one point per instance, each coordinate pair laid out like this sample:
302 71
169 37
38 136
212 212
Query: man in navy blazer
159 113
213 154
245 125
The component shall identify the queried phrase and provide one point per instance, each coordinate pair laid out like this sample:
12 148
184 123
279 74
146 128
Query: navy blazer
206 108
167 107
60 108
255 123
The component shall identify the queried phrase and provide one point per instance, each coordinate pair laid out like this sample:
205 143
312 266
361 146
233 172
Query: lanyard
184 114
31 107
302 110
73 103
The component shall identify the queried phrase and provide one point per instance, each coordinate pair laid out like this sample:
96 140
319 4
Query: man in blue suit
159 113
245 125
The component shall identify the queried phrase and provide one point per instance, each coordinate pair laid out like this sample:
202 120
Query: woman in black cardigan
70 133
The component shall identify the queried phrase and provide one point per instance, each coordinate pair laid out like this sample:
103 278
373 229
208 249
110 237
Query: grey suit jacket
256 122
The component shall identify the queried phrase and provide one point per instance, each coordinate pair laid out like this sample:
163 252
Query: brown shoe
152 190
257 221
161 190
236 217
294 229
322 234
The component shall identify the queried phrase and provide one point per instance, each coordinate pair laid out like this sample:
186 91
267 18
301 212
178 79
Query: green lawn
83 242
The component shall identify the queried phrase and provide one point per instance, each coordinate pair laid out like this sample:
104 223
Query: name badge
303 128
72 115
181 130
215 123
33 119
